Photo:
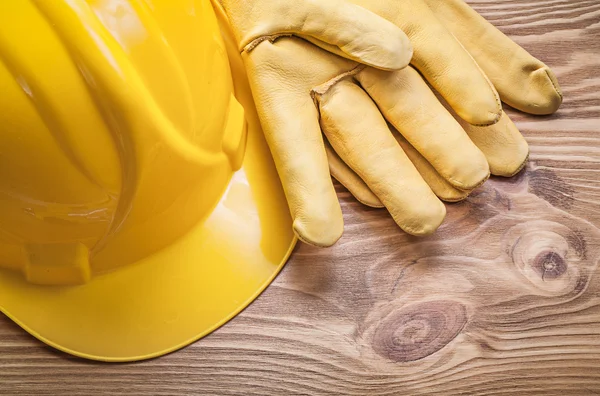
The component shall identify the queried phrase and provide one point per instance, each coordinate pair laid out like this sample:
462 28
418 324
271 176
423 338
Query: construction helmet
137 211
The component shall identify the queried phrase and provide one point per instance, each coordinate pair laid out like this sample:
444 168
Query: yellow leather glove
503 145
301 91
337 25
453 46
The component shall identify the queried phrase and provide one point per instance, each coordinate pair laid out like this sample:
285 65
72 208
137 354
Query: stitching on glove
314 243
557 89
409 229
322 89
254 43
460 185
455 200
520 167
496 97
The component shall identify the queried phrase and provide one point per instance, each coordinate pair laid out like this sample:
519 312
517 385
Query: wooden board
503 300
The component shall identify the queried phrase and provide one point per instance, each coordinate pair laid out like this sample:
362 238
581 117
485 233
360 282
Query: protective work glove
301 91
459 53
466 59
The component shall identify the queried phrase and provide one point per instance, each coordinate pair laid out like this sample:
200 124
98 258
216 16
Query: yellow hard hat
137 211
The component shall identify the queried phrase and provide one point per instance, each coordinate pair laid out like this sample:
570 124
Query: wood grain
503 300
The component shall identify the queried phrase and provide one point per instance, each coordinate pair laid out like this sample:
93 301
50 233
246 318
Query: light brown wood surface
503 300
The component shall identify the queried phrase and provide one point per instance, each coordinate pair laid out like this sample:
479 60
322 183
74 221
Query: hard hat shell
138 210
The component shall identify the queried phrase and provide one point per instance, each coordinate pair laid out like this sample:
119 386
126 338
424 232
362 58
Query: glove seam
322 89
461 186
257 41
314 243
519 169
556 89
454 200
414 231
489 82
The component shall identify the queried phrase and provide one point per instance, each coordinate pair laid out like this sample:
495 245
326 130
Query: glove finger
522 81
336 25
358 188
290 122
360 136
411 107
349 179
504 146
440 186
443 61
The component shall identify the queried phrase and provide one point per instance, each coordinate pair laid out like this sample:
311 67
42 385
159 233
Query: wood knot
549 265
419 330
549 255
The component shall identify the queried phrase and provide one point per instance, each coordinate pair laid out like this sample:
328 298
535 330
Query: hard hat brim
179 294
